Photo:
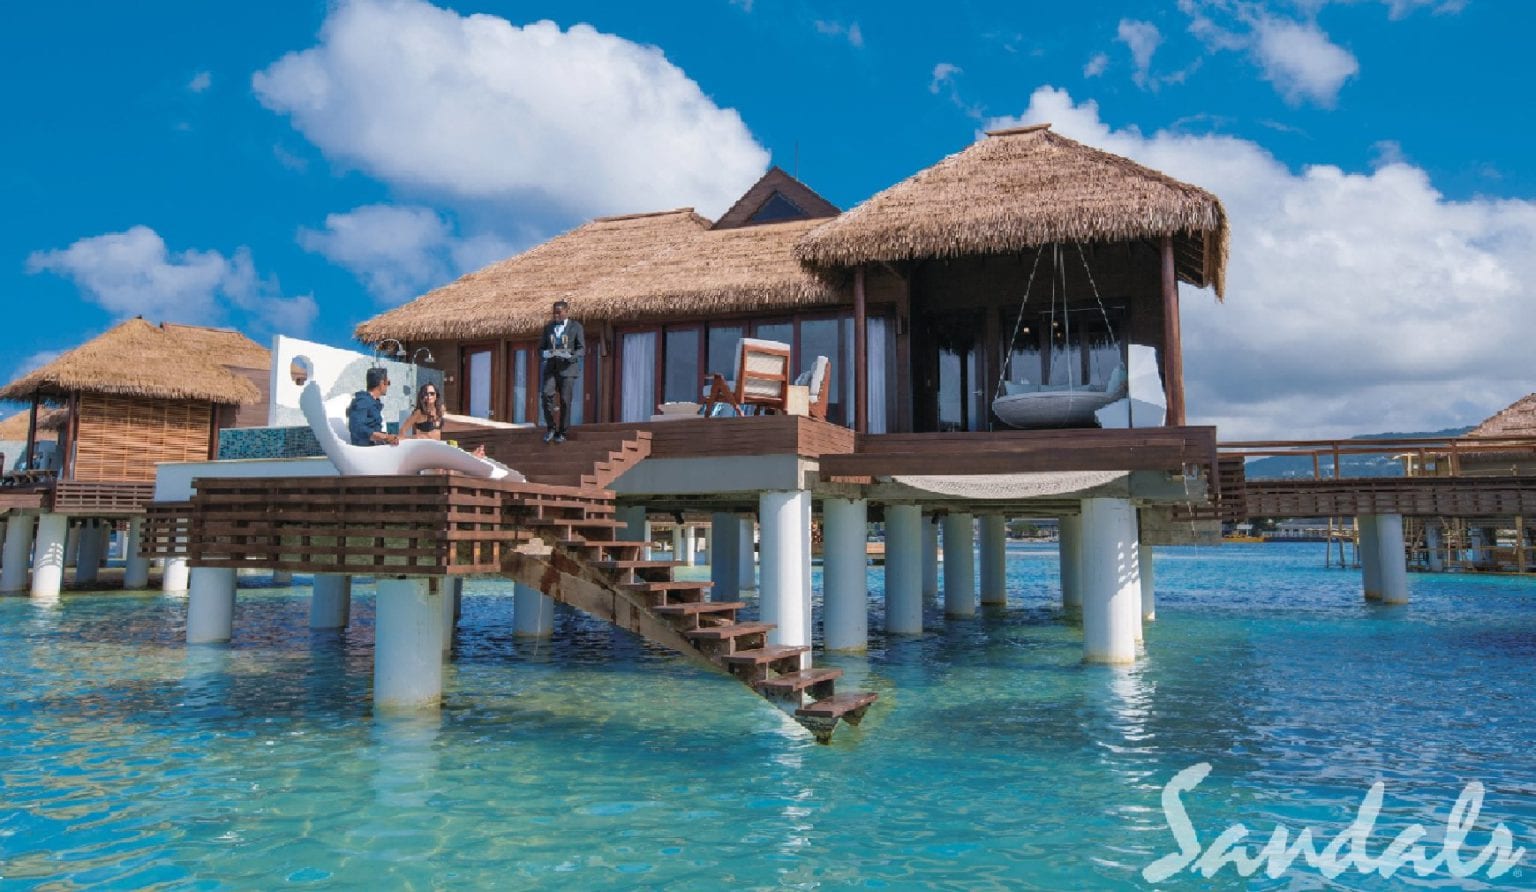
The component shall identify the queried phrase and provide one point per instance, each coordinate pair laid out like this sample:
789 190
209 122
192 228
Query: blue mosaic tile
268 442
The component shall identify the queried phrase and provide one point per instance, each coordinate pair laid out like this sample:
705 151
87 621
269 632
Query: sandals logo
1348 849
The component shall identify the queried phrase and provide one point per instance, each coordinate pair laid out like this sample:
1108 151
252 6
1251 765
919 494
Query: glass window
783 332
477 384
682 378
820 337
637 376
520 385
722 349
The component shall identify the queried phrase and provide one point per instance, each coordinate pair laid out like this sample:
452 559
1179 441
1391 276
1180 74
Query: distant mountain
1281 467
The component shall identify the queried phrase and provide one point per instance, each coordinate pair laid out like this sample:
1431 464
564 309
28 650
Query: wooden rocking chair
762 379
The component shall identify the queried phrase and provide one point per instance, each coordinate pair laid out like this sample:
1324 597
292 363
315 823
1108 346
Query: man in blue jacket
365 415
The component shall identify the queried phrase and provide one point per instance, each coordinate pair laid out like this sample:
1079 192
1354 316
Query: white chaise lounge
410 457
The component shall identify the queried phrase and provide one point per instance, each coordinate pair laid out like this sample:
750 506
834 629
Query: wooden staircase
585 565
588 458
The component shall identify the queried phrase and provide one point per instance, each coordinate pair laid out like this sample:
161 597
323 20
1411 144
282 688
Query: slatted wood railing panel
77 497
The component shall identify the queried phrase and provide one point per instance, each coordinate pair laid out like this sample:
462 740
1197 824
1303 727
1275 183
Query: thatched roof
48 421
1515 420
1021 188
136 358
713 271
512 297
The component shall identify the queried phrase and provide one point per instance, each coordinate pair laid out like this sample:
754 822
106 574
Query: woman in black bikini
426 421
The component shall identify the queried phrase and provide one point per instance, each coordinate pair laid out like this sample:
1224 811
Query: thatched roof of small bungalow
512 297
48 421
714 271
137 358
1021 188
1515 420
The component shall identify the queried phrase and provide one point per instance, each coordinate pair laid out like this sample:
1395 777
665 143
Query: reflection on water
994 759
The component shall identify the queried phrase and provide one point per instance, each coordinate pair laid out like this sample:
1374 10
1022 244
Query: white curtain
877 342
637 381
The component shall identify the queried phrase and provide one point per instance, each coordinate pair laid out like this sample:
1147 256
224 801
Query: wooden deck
1408 496
1174 449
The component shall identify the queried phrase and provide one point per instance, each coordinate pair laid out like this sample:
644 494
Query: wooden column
1173 350
31 431
860 356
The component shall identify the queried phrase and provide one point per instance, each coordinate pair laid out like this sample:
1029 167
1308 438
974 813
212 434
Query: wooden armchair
762 379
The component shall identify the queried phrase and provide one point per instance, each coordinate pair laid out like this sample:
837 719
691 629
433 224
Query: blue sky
298 166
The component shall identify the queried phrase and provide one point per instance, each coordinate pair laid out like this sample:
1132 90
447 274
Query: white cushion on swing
1014 388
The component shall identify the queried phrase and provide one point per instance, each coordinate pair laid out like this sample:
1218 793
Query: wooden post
32 431
860 356
1173 350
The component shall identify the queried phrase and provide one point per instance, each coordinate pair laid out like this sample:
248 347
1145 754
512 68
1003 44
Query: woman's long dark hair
436 412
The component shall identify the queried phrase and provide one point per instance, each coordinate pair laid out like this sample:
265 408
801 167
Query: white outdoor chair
762 379
410 457
814 380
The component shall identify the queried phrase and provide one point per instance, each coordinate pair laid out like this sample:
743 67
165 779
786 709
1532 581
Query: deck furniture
762 379
816 381
409 457
1057 405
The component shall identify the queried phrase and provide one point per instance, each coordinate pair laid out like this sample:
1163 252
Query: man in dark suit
562 346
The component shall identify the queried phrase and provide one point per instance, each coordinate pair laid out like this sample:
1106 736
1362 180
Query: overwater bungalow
123 402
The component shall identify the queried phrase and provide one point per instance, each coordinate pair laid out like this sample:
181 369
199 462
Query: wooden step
601 543
701 614
794 682
589 523
763 656
700 607
731 632
665 586
849 707
637 565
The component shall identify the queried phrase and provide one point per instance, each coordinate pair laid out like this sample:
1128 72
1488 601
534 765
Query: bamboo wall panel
121 438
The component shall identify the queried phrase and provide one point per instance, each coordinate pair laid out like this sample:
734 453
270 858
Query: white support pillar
175 578
748 555
533 612
724 556
1070 547
1110 578
48 555
1392 559
16 560
959 565
1369 549
210 605
451 587
930 555
904 569
282 577
330 601
408 644
72 546
1434 547
1148 589
92 548
785 599
135 567
992 532
845 574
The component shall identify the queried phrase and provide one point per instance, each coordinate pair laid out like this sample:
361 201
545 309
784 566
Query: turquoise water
994 759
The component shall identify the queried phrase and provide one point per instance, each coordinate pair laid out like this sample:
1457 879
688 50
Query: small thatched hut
920 296
141 394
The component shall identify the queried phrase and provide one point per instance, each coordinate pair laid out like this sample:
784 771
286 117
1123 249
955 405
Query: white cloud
200 82
744 5
944 74
1096 65
1142 39
851 32
399 252
35 361
475 108
134 273
1356 301
1301 61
